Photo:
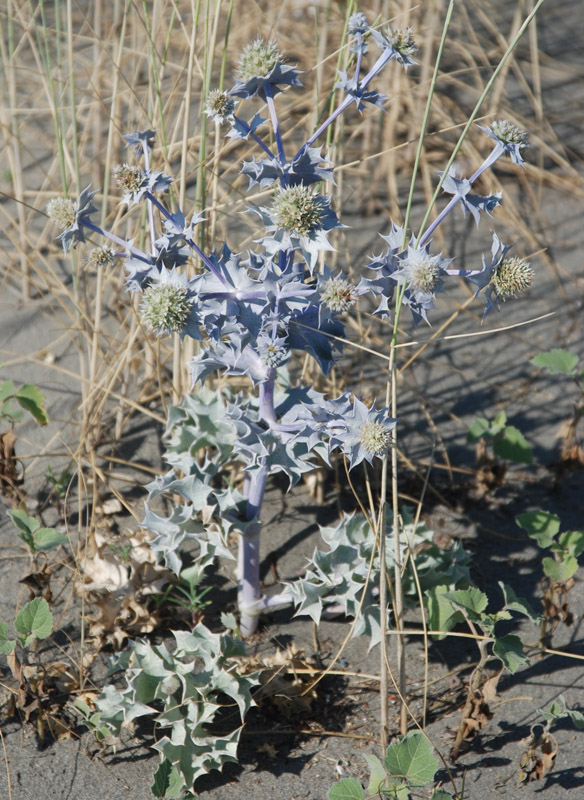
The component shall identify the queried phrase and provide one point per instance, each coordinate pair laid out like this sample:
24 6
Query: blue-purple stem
254 136
275 123
146 154
248 567
346 102
191 243
495 154
139 254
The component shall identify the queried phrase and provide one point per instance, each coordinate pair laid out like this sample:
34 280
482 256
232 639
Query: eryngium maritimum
258 59
63 211
375 438
512 277
129 178
338 294
165 307
298 210
508 133
220 106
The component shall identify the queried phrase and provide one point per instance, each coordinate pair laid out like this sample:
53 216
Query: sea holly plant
559 568
252 311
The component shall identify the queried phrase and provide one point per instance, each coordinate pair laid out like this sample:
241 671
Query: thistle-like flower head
338 294
298 210
167 303
511 138
362 434
398 42
513 276
258 59
261 66
136 182
422 274
298 219
220 106
69 215
503 278
101 257
357 24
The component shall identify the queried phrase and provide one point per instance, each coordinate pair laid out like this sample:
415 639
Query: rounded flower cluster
402 40
357 23
63 211
129 178
422 271
220 106
508 133
338 294
101 257
297 209
512 277
258 59
165 307
375 438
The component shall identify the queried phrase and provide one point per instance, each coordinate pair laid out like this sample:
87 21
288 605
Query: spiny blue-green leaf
557 362
34 621
540 525
560 571
6 645
346 789
513 446
510 650
377 774
32 400
412 758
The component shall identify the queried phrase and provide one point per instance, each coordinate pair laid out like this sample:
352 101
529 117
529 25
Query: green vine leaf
513 446
510 650
377 774
32 400
412 758
34 621
560 571
168 782
346 789
6 645
540 525
557 362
